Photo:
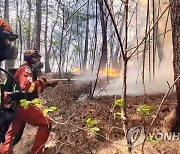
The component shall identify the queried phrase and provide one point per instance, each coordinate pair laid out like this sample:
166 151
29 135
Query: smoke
163 70
135 86
156 84
153 84
84 77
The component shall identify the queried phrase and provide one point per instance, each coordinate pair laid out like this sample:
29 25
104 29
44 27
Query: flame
76 70
111 72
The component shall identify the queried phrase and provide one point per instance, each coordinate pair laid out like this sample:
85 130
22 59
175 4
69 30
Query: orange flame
76 70
111 72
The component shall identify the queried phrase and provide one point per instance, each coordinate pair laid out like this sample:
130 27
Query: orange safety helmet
29 54
5 25
7 51
28 57
6 31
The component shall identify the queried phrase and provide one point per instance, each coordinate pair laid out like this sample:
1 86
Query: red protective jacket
25 77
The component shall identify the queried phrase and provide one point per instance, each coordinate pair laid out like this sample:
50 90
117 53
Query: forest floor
74 137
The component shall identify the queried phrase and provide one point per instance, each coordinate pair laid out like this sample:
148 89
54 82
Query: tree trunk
6 10
62 41
175 22
19 20
125 62
79 59
20 37
1 6
16 26
47 66
86 39
28 34
38 25
104 34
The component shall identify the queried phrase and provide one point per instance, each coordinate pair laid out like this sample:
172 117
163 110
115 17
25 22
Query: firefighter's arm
46 83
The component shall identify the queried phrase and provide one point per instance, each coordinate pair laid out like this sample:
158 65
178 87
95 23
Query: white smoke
135 85
163 71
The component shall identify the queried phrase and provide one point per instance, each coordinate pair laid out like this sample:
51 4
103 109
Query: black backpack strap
10 84
2 95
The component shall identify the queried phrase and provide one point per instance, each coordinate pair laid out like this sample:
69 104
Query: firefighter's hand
42 80
51 83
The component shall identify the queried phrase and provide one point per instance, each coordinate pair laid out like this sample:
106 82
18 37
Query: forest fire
111 72
76 70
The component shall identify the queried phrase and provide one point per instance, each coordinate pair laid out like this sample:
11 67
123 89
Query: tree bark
28 31
86 39
104 34
47 65
38 25
20 36
175 22
61 41
6 10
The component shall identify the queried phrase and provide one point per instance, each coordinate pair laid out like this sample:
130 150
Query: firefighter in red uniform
7 52
27 77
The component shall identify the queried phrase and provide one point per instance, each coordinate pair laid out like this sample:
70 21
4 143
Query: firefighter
27 77
7 52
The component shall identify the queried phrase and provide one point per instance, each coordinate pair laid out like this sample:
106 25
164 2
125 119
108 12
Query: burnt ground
74 137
